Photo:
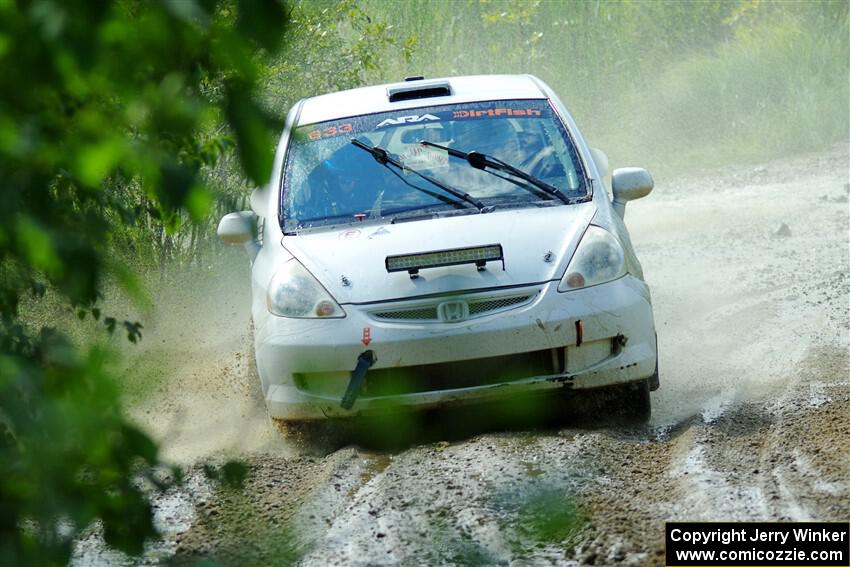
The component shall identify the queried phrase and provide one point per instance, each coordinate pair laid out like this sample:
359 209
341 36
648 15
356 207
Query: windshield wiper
384 158
484 161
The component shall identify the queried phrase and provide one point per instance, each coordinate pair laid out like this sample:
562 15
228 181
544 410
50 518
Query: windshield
330 181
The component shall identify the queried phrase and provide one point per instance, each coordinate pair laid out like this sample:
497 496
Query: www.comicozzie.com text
755 534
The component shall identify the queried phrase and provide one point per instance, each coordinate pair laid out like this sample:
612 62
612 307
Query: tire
654 382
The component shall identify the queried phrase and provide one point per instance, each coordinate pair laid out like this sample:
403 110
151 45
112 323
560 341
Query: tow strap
355 384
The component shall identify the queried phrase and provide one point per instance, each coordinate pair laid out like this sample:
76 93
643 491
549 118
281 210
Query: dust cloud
192 380
740 302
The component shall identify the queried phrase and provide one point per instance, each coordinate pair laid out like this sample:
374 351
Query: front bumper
618 346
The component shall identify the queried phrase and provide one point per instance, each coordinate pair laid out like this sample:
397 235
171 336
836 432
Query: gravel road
749 273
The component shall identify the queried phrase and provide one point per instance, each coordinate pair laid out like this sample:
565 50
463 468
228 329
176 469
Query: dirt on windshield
748 267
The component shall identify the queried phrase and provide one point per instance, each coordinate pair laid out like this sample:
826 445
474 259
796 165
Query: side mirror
601 161
237 228
628 184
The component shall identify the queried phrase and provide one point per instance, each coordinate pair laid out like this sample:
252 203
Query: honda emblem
453 311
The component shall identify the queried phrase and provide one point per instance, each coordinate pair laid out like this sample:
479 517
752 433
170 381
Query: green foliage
669 85
334 46
738 101
108 113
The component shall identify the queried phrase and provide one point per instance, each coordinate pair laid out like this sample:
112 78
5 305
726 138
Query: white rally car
433 242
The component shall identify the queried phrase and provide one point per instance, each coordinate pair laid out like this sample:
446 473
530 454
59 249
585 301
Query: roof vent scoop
419 90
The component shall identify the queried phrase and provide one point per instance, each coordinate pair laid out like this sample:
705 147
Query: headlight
598 259
294 292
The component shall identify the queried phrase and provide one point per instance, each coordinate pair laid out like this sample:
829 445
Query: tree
96 99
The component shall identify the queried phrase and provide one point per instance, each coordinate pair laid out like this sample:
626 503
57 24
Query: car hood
358 253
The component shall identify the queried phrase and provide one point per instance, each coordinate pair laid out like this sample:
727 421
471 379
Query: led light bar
478 255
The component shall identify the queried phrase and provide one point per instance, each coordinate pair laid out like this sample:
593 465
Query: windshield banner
458 112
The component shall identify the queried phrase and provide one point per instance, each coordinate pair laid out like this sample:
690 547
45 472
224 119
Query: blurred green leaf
37 246
254 131
175 181
96 161
199 203
262 20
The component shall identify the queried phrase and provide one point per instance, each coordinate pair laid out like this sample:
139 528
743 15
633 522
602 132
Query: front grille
421 314
478 307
